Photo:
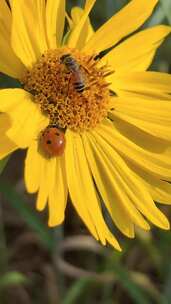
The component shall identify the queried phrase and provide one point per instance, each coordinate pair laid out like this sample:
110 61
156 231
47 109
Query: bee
77 76
52 141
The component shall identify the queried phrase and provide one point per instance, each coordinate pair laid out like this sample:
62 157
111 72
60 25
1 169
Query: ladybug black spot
58 134
48 142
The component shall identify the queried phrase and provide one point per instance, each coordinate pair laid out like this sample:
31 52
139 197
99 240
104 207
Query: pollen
76 97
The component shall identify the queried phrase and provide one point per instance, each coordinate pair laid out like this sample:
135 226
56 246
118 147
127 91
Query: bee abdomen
79 86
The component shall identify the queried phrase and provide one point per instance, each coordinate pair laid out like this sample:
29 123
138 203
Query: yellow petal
33 167
74 188
47 173
28 30
69 20
76 14
136 53
125 195
6 145
9 63
154 110
145 83
161 192
27 120
55 19
158 189
87 30
146 151
10 98
104 183
76 36
58 195
150 95
5 123
131 17
82 190
131 187
151 116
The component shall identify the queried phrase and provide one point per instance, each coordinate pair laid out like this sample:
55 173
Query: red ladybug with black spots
52 141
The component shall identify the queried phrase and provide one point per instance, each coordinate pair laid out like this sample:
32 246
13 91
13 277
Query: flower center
70 88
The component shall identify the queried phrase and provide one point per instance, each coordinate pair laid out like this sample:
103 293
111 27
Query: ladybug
52 141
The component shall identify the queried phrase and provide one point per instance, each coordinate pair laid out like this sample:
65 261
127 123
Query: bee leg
85 69
108 73
91 83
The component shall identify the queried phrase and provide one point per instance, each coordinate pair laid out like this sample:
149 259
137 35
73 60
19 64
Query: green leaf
156 18
66 37
136 293
167 285
166 6
12 278
8 82
122 275
146 284
3 163
28 214
76 290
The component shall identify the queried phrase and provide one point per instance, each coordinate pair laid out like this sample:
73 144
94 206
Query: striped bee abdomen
73 66
79 86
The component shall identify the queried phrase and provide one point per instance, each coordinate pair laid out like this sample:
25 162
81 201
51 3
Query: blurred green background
51 266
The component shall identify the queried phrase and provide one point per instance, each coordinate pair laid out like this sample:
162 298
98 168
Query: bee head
66 59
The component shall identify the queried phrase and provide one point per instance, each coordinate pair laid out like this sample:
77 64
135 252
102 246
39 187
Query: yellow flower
113 115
